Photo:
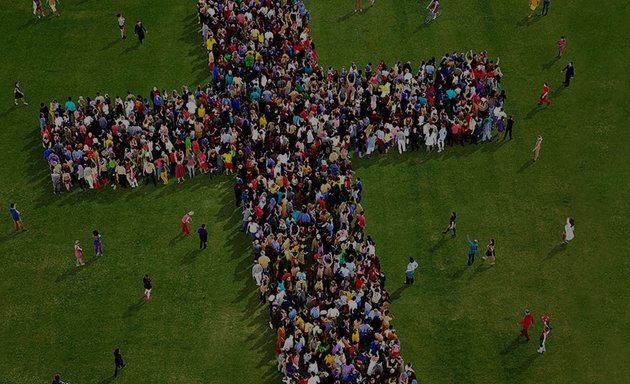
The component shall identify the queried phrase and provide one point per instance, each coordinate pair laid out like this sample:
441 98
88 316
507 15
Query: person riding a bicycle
434 8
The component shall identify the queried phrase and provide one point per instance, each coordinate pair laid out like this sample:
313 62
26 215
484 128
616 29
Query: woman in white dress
568 234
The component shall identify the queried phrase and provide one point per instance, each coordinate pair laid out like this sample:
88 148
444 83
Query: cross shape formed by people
287 129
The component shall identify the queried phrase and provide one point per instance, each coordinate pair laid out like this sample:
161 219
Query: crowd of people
287 128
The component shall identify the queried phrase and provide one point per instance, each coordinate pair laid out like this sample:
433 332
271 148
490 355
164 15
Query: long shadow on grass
73 271
134 308
556 250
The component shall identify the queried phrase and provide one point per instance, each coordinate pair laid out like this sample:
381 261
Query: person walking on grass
544 95
98 246
140 31
357 6
544 335
562 43
37 9
568 233
508 127
411 267
533 4
472 250
490 253
53 7
121 26
78 253
451 224
146 282
537 146
118 361
17 220
18 94
203 237
527 322
569 73
545 8
185 220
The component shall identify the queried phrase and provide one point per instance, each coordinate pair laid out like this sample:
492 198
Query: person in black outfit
451 223
118 360
569 72
203 237
140 31
508 128
56 380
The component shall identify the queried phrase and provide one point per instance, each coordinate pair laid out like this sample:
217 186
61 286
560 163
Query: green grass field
457 325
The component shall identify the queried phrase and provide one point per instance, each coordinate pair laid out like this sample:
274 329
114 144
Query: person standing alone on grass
203 237
357 6
472 251
53 7
533 4
568 233
140 30
146 281
18 94
121 26
411 267
544 95
78 253
490 253
451 223
527 322
98 246
508 127
545 9
17 220
537 146
118 361
185 220
569 72
545 334
562 43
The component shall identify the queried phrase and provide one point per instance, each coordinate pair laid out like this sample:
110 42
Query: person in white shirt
411 267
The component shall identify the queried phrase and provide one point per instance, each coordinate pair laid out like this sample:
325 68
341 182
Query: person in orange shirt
533 4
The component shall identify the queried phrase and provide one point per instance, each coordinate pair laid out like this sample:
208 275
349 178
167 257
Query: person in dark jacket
118 361
569 72
140 30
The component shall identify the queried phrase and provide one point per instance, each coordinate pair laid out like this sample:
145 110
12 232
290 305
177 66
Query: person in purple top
98 246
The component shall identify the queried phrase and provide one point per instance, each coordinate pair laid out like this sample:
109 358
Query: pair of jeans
471 259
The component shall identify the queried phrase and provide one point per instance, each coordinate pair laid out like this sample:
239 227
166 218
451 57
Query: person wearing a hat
472 251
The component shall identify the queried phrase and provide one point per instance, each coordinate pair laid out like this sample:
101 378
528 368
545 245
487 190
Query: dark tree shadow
191 256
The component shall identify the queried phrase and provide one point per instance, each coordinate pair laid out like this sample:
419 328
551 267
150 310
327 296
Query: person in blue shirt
203 237
15 215
472 251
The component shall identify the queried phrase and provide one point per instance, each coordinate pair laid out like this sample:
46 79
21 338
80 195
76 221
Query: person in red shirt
544 95
527 321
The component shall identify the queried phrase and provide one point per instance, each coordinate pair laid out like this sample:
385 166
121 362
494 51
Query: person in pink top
78 253
185 220
562 43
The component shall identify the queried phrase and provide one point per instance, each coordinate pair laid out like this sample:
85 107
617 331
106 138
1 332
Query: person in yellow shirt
533 4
